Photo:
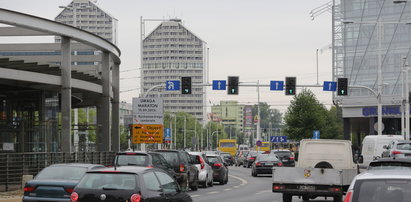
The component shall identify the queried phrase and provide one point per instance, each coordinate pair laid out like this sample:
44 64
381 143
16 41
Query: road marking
213 192
228 189
193 196
243 181
264 191
236 187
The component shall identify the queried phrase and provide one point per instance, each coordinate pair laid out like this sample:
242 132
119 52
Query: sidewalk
12 196
14 199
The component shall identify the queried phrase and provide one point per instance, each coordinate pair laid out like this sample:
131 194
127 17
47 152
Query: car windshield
389 165
267 158
282 154
61 173
404 146
171 157
108 181
132 160
382 190
227 144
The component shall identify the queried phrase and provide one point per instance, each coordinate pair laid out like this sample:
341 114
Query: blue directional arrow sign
172 85
330 86
167 135
219 84
276 85
316 134
278 139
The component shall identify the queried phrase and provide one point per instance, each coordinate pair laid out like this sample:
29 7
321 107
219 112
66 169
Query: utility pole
258 114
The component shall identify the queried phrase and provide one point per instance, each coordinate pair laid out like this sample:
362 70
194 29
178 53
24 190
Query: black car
186 171
56 182
227 158
128 184
286 157
220 170
264 164
250 158
146 159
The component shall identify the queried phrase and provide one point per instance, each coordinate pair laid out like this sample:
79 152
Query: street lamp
380 24
217 137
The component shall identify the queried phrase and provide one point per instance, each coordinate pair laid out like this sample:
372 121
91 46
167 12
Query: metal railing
14 165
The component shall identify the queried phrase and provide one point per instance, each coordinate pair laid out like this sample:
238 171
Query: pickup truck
324 168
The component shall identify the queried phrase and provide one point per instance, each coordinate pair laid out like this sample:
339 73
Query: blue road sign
219 84
259 143
278 139
316 134
276 85
172 85
167 135
330 86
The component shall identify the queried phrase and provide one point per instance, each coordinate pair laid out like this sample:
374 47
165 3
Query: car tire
226 179
185 185
212 182
306 198
287 197
205 183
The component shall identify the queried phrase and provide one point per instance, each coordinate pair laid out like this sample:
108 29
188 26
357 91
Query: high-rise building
86 15
230 113
170 52
357 56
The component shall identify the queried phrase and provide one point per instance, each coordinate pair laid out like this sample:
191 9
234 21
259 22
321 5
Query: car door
152 188
171 189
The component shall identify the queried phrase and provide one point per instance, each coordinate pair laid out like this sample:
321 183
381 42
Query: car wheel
212 182
184 185
287 197
306 198
205 183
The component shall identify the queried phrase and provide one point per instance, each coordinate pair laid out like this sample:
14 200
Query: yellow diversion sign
148 134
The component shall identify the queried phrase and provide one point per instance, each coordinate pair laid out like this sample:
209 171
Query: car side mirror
360 159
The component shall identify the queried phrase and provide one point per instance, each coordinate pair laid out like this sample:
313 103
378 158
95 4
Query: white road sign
148 111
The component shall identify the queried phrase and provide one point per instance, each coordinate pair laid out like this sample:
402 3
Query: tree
267 116
306 114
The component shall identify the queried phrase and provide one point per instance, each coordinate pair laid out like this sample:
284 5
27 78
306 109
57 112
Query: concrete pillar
65 94
371 126
104 112
347 129
115 127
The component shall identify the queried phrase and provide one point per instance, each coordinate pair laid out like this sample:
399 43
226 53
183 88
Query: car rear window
171 157
393 190
267 158
108 181
213 159
61 173
404 146
132 160
283 154
389 165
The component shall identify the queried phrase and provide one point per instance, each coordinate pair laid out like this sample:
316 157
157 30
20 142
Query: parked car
397 148
250 158
126 183
56 182
205 175
186 171
264 164
220 170
145 159
390 163
240 157
380 186
286 157
373 147
227 158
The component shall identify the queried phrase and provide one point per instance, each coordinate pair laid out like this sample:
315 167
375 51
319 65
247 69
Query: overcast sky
253 39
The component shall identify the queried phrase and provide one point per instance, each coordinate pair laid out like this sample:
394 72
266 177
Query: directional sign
148 134
173 85
316 134
219 84
330 86
167 135
276 85
278 139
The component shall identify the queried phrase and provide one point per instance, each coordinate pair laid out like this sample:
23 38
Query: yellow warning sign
148 134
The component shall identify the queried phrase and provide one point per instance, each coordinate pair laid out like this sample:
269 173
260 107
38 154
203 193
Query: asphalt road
241 187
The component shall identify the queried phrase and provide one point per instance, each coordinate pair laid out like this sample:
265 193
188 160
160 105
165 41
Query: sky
257 40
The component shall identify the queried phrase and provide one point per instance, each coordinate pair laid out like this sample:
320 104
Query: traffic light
342 86
232 85
290 83
185 85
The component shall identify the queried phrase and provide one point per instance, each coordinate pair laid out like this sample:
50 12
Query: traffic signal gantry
232 85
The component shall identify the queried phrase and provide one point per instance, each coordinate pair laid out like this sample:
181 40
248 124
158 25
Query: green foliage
268 115
306 114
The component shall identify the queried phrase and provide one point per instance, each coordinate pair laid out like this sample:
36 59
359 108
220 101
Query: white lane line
228 189
193 196
264 191
243 181
236 187
213 192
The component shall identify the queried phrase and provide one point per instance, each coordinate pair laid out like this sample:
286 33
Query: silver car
205 174
398 149
380 186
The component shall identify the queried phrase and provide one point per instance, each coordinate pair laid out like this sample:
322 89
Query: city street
242 187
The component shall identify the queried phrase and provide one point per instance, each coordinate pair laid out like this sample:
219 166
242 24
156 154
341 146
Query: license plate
285 160
306 187
269 164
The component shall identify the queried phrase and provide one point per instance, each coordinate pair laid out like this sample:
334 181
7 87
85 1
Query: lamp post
217 137
379 25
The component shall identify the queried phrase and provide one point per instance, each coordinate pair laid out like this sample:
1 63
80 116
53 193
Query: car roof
214 155
84 165
384 174
403 141
196 153
407 160
127 169
132 152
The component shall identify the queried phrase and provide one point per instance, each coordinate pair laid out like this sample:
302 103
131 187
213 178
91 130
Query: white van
372 147
243 147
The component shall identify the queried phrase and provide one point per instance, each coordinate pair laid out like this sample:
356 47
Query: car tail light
278 187
348 196
135 198
291 158
29 189
218 165
202 163
258 164
334 189
396 152
69 190
181 167
252 158
74 197
279 164
150 166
